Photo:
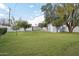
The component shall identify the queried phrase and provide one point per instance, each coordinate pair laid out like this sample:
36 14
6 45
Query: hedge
3 31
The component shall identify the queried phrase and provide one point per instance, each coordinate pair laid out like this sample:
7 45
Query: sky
27 11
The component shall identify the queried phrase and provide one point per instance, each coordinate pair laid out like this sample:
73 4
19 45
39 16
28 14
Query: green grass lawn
39 44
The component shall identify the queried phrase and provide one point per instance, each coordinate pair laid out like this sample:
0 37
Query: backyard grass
39 44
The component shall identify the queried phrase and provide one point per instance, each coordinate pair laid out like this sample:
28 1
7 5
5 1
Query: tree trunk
70 29
32 28
16 32
56 29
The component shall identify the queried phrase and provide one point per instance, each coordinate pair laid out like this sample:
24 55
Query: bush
3 31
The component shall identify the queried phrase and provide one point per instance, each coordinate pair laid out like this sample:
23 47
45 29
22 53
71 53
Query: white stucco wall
63 28
76 29
51 28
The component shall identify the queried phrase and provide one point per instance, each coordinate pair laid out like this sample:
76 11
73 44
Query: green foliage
48 12
22 24
42 25
59 10
69 7
29 25
3 31
58 22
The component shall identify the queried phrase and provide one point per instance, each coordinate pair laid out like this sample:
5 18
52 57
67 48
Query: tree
29 25
48 12
74 18
70 14
51 16
23 24
62 14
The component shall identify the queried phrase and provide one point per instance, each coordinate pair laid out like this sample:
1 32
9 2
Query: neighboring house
36 28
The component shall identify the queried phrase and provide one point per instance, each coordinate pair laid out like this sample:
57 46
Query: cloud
7 9
3 7
36 11
31 6
2 15
36 20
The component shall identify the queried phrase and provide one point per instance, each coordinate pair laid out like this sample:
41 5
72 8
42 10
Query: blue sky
27 11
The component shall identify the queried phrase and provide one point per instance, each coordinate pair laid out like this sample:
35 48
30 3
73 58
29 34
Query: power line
37 16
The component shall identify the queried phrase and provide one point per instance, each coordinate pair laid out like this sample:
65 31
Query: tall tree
62 14
48 12
70 14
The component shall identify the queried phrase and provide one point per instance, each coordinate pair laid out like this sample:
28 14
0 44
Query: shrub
3 31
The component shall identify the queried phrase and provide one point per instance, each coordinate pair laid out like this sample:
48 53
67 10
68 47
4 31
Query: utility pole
9 16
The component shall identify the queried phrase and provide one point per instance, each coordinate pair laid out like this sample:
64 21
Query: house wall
51 28
76 29
63 28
